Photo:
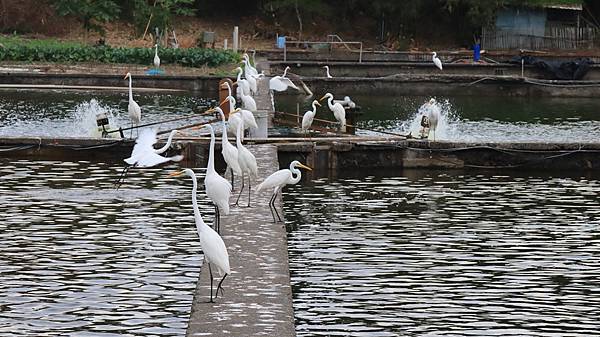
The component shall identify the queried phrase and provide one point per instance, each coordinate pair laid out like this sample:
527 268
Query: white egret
243 85
327 72
346 102
246 115
278 180
249 70
248 102
338 110
213 247
145 155
309 116
135 113
156 58
281 83
436 60
250 74
433 115
247 163
218 189
229 152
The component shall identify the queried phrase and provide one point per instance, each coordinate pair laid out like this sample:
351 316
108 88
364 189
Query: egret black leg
211 283
219 286
231 178
217 222
249 189
122 176
131 133
271 207
275 208
241 190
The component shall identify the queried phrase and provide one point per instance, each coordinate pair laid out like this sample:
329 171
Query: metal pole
360 54
284 51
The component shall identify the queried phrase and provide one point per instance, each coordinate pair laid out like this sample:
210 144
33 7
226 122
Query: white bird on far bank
436 60
218 189
278 180
338 110
135 112
213 247
309 116
156 58
281 83
327 72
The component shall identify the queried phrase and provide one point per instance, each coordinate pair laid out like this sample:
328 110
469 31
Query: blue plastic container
476 52
280 42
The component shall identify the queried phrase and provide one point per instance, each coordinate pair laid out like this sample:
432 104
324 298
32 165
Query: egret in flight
156 58
327 72
212 244
309 116
281 83
247 163
278 180
436 60
218 189
338 110
135 113
145 155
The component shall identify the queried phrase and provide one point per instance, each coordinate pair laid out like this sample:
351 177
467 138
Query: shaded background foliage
452 21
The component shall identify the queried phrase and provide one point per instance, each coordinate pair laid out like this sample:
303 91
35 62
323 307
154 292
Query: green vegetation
90 12
15 49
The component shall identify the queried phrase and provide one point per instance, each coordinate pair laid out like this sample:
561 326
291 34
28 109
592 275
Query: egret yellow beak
322 98
225 101
125 77
234 83
176 174
319 104
304 167
236 110
209 111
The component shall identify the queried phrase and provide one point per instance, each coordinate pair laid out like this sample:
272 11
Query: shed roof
576 5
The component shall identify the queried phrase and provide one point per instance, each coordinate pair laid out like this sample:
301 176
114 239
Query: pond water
470 118
429 253
73 113
78 258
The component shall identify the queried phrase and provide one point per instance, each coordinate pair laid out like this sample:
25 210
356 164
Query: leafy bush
90 12
54 51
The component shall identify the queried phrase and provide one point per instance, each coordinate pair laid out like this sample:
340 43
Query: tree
90 12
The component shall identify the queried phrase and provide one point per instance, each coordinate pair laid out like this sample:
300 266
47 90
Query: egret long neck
296 174
285 72
167 145
330 102
239 77
238 141
197 216
224 136
314 106
211 153
130 92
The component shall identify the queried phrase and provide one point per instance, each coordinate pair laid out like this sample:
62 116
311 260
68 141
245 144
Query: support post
235 39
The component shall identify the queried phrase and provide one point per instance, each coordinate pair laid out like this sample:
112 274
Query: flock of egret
239 159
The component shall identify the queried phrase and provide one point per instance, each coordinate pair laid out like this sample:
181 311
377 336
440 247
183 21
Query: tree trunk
299 20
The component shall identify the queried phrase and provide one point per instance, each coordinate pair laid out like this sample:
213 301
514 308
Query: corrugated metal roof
567 7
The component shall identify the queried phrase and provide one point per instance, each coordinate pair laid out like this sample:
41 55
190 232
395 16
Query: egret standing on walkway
309 116
218 189
338 110
212 244
278 180
135 113
247 163
437 61
229 152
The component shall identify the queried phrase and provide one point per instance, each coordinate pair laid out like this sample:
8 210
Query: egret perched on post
135 113
278 180
156 58
281 83
218 189
145 155
247 163
436 60
212 244
309 116
327 72
338 110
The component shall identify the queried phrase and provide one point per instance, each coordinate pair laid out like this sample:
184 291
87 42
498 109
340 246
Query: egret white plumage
327 72
251 75
436 60
278 180
229 152
145 155
156 58
135 112
218 189
281 83
346 102
243 85
338 110
249 69
248 102
433 115
213 247
247 164
309 116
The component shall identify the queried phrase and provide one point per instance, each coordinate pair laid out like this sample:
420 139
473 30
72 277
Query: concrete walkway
258 296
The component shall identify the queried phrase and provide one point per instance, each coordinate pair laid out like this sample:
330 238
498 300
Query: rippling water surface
78 258
429 253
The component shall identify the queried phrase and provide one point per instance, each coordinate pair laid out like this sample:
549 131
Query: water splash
446 116
84 118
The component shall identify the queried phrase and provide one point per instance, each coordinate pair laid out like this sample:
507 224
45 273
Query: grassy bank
48 50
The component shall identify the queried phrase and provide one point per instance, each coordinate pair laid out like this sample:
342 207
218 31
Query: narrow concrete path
258 296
